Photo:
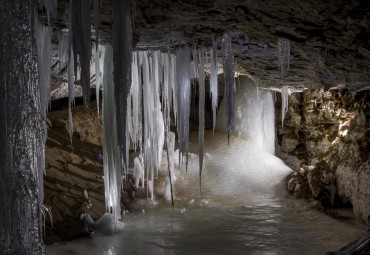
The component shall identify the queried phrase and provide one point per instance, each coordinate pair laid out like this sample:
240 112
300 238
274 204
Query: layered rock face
74 173
328 133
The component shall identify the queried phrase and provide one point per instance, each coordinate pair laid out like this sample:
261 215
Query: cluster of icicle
159 96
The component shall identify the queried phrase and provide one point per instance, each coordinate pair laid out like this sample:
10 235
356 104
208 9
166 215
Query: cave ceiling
329 40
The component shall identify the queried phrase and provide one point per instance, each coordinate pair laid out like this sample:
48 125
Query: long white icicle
213 81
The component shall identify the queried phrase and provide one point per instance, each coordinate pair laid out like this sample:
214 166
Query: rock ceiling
329 39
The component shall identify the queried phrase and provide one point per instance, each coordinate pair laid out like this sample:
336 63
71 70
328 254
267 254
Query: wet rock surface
329 40
329 134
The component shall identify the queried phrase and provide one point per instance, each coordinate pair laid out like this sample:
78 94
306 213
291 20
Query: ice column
183 99
111 152
22 132
228 66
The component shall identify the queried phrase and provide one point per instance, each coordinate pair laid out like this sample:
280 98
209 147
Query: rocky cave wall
326 140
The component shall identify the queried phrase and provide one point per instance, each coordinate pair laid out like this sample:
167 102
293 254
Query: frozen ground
243 209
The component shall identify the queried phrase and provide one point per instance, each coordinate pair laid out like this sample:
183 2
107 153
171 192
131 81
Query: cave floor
243 209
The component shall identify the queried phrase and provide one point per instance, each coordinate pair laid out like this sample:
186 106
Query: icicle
202 79
43 42
51 8
81 30
228 66
283 52
63 49
136 136
96 53
183 99
111 152
213 81
172 81
285 93
71 94
96 22
122 48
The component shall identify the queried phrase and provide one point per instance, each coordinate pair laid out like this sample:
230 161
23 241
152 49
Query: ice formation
139 171
213 81
113 164
202 79
122 48
71 94
254 115
96 54
228 66
183 98
43 42
81 30
136 97
285 93
283 52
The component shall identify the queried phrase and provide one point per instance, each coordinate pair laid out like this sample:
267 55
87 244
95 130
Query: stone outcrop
331 132
72 171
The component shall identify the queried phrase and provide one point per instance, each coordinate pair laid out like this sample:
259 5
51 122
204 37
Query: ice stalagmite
122 48
283 52
22 132
81 42
285 93
202 78
228 66
213 81
183 99
111 152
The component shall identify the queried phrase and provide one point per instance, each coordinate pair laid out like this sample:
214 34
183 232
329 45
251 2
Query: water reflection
243 210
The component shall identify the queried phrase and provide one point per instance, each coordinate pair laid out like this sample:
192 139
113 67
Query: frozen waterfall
113 165
254 115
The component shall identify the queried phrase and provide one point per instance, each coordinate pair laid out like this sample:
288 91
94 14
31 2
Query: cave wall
326 139
70 170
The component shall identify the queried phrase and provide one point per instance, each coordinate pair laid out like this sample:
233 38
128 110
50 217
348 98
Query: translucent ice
213 81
